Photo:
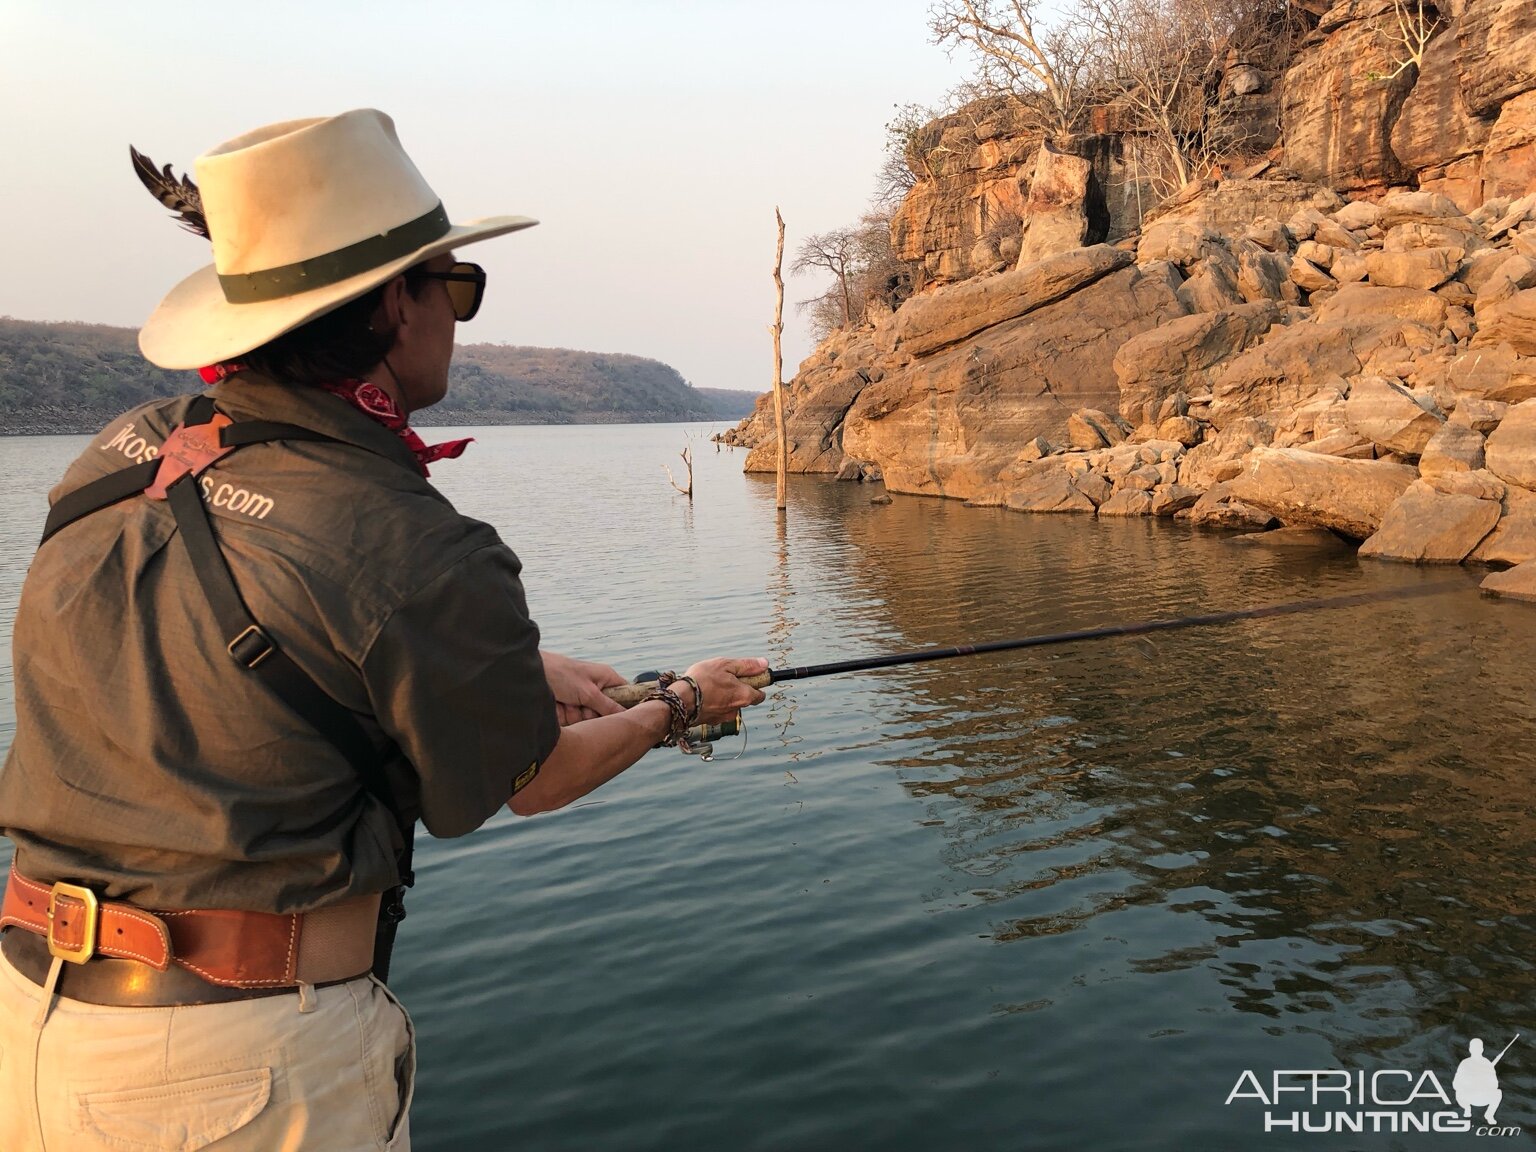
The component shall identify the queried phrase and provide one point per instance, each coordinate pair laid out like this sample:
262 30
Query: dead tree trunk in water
687 455
778 363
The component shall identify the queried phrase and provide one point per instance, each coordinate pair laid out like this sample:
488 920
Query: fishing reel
700 739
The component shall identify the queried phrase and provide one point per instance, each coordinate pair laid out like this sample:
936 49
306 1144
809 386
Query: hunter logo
1386 1100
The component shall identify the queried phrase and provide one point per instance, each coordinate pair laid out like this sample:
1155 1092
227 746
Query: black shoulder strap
99 493
261 431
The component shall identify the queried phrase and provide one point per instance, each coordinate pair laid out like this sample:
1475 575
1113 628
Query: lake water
1053 900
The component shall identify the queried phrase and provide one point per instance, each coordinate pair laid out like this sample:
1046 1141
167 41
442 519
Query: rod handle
631 694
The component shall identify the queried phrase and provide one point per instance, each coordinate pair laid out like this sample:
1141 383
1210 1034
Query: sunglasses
466 287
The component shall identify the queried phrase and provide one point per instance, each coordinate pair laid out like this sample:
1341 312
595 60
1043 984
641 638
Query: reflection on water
1054 899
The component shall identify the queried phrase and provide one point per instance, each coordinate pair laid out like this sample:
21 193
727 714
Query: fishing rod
1507 1047
631 694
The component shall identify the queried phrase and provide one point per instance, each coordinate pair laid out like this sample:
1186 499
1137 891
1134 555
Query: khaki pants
330 1070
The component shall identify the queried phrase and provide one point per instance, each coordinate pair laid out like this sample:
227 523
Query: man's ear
391 310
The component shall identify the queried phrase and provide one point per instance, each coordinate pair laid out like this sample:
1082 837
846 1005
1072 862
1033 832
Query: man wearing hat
256 647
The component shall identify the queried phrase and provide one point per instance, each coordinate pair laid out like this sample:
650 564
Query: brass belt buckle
90 909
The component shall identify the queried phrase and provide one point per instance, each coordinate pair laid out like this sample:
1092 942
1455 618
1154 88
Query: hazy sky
651 138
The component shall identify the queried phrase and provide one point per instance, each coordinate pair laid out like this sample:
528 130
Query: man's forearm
590 754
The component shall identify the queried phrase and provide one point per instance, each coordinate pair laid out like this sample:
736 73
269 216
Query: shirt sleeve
457 682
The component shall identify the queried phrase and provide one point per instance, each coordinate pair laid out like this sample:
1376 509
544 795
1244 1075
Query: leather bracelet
679 725
698 699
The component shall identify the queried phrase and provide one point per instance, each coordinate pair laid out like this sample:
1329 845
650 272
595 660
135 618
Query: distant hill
76 377
730 404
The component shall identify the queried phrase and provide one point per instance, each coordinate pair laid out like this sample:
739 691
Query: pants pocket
398 1138
179 1117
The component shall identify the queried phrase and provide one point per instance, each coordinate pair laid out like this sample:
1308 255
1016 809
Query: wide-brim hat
304 216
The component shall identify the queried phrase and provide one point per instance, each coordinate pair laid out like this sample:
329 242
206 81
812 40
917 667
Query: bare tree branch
1020 54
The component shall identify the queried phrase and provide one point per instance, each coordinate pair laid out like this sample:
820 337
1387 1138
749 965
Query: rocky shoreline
1368 368
1263 350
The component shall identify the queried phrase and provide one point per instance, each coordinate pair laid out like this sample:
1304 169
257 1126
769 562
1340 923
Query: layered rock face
989 376
1357 115
973 173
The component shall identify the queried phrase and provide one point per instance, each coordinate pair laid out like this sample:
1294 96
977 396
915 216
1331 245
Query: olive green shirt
151 766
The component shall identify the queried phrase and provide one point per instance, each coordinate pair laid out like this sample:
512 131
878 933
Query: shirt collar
253 396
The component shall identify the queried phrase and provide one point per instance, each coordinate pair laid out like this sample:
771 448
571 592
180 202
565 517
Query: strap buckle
254 646
90 909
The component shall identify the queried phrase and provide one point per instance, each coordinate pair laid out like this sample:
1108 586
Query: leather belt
119 983
222 948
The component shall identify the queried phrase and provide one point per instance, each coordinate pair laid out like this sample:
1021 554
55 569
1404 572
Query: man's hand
724 693
578 687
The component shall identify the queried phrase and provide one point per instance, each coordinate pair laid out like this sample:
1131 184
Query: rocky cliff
1343 338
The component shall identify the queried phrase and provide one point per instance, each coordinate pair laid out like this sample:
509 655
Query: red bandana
372 401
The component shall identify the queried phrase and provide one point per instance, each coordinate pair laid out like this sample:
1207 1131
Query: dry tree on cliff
833 252
1041 63
1161 67
1408 30
864 269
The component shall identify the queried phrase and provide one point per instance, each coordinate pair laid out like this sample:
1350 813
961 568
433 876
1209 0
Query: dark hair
340 345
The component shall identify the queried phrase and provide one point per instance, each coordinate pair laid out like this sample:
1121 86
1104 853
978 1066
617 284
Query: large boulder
1390 416
1422 208
925 324
1089 428
1263 275
1517 583
1183 354
1494 374
1056 212
948 423
1178 241
1347 496
1513 541
1511 321
1354 302
1212 284
1453 448
1128 502
1337 110
1423 268
1295 362
1425 526
1513 274
1047 487
1511 447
